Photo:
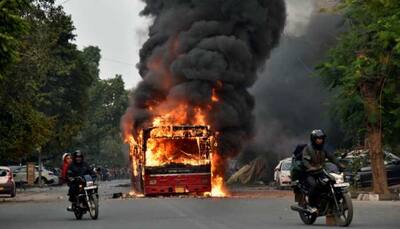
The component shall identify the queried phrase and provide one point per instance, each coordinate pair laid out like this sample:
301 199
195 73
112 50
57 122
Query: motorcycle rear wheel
94 207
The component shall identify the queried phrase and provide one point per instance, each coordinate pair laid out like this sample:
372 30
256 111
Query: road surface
187 213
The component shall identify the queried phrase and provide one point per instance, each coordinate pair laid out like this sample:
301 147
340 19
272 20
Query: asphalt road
191 213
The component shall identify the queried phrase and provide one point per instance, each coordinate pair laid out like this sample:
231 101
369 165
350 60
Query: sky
116 28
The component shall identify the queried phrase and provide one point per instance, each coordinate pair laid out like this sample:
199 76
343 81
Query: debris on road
249 173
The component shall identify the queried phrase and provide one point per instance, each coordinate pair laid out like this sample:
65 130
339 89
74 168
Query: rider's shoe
70 208
312 210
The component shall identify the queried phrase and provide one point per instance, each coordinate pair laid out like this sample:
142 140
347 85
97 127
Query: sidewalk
58 193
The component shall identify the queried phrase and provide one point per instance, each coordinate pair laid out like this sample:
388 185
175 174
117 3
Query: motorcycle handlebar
315 170
80 178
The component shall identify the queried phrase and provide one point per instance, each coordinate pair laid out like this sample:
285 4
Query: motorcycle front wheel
94 207
307 219
344 215
78 213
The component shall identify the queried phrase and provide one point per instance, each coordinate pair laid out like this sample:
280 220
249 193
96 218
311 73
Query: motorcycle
87 199
334 199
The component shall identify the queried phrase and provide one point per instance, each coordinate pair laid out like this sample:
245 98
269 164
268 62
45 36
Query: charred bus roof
177 131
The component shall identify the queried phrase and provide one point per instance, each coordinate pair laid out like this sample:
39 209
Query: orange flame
164 151
214 97
181 114
217 180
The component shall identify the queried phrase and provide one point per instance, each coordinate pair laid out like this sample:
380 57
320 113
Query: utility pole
40 166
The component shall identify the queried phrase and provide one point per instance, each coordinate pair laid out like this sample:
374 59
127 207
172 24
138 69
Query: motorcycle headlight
89 183
339 178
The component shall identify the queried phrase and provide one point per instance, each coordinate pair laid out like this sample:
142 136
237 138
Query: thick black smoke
197 46
291 99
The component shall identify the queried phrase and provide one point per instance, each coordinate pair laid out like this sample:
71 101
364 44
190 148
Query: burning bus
173 160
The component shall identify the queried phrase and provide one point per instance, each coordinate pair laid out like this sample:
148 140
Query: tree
100 138
12 28
22 127
45 94
67 74
364 69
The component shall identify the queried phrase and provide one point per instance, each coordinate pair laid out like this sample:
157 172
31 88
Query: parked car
14 167
7 184
48 177
359 168
282 173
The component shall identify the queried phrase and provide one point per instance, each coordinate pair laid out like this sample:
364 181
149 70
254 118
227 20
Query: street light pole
40 167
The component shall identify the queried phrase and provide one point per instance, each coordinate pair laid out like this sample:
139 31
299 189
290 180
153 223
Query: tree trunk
379 176
370 93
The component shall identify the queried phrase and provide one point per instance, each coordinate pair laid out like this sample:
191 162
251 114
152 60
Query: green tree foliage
44 96
364 71
100 138
22 127
12 28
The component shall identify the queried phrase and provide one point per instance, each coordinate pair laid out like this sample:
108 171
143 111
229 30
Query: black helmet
77 153
315 134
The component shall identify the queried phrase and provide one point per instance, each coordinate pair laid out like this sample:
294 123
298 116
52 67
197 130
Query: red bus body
175 178
177 183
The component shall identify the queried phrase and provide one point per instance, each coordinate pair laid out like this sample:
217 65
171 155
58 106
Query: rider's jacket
316 158
79 169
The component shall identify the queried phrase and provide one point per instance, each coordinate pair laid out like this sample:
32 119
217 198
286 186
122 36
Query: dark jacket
316 158
81 169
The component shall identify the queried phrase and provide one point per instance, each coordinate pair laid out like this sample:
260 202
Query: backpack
298 152
297 170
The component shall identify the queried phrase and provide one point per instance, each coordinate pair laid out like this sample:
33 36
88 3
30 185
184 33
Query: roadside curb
32 197
378 197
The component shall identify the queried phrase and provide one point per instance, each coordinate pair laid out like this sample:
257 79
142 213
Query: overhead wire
116 61
62 3
104 58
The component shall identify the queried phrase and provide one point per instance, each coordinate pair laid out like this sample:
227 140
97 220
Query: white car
48 177
7 184
282 173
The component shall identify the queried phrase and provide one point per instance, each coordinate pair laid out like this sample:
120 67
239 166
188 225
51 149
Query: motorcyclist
313 161
77 168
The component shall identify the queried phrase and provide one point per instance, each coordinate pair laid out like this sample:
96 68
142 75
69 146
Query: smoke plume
206 53
290 102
